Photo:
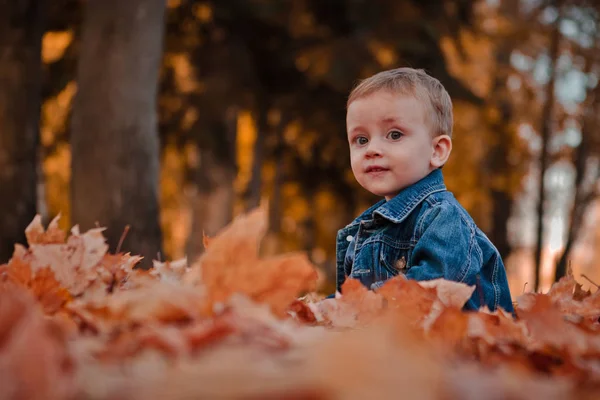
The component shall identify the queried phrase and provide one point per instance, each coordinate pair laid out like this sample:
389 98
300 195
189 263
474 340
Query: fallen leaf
357 306
42 284
450 293
170 271
34 362
36 234
231 265
409 298
72 262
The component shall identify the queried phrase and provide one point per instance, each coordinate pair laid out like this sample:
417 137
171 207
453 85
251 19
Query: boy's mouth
375 168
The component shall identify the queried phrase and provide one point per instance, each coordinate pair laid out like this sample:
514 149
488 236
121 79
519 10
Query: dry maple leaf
579 294
394 364
34 363
36 234
356 306
331 365
450 293
471 381
171 271
567 295
409 298
549 331
123 274
157 302
497 328
73 262
231 265
165 339
563 288
302 312
42 284
450 327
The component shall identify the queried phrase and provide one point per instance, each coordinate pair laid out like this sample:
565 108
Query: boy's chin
384 193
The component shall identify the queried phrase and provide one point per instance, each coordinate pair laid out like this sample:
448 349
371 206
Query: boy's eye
361 140
395 135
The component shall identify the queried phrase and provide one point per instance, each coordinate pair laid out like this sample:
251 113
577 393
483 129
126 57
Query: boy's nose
374 150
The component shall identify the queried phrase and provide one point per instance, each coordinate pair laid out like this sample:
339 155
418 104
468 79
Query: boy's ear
442 147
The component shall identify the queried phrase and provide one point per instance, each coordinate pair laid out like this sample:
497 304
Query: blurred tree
547 126
59 55
503 128
21 29
114 139
587 171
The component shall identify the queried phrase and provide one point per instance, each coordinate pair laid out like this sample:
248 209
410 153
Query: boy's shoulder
445 202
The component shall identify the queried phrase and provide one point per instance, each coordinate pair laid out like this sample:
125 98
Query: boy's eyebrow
356 128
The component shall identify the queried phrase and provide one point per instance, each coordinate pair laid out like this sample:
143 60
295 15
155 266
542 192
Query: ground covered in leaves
79 323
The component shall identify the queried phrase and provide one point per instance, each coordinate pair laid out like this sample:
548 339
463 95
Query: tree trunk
114 138
213 196
546 128
278 180
21 30
255 186
498 162
583 196
502 204
273 240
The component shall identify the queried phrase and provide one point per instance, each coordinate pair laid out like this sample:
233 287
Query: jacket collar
397 209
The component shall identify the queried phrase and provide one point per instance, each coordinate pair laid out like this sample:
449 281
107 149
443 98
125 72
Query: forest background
161 120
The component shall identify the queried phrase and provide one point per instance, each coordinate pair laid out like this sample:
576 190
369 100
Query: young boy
399 125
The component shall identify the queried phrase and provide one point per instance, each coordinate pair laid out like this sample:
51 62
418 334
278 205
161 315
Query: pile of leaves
77 322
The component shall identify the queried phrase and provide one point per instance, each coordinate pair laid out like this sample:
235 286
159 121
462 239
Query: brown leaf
498 328
450 293
450 327
563 288
231 265
44 287
170 271
156 302
581 294
302 312
549 331
409 298
357 306
36 234
34 362
73 262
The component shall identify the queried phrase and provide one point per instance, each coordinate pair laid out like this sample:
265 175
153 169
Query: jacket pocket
393 260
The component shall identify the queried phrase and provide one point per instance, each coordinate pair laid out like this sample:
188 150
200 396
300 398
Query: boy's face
391 146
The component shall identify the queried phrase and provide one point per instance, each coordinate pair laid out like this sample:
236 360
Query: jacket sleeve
446 247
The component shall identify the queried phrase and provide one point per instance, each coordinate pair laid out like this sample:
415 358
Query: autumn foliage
77 322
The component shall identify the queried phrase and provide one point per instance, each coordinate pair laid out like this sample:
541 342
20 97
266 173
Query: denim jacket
423 233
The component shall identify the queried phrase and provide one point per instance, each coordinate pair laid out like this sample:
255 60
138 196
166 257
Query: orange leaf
450 293
171 271
34 362
43 285
450 327
231 265
36 234
409 298
356 306
549 331
74 262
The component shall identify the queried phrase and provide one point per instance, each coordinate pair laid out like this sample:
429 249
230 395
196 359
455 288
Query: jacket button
401 264
349 238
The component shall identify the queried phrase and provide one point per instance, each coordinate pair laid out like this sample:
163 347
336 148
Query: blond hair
415 82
